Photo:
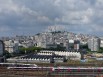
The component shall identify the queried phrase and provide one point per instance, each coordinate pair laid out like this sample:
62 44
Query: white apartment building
11 46
101 41
94 44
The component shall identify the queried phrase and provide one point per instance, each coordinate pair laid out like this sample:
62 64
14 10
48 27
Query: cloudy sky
28 17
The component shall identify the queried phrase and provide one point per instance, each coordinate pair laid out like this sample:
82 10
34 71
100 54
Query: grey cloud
33 16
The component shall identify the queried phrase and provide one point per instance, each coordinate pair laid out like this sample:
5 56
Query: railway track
4 72
57 72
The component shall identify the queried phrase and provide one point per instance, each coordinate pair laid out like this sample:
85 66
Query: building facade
11 46
94 43
76 45
101 41
1 48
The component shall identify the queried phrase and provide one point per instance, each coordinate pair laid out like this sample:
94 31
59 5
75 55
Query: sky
28 17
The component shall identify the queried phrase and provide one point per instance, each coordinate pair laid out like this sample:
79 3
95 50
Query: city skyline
28 17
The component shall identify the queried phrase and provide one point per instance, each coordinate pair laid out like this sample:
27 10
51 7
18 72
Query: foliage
23 50
58 48
7 54
84 46
100 50
54 32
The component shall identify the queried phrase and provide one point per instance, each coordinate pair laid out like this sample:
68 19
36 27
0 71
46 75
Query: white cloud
57 2
43 18
86 14
9 6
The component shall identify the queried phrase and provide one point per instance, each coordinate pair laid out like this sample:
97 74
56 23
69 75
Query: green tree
100 50
7 54
32 49
84 46
22 50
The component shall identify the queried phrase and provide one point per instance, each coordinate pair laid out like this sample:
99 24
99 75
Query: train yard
39 71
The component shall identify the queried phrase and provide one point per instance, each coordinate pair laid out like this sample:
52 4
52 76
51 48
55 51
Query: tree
29 50
84 46
58 48
100 50
7 54
22 50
